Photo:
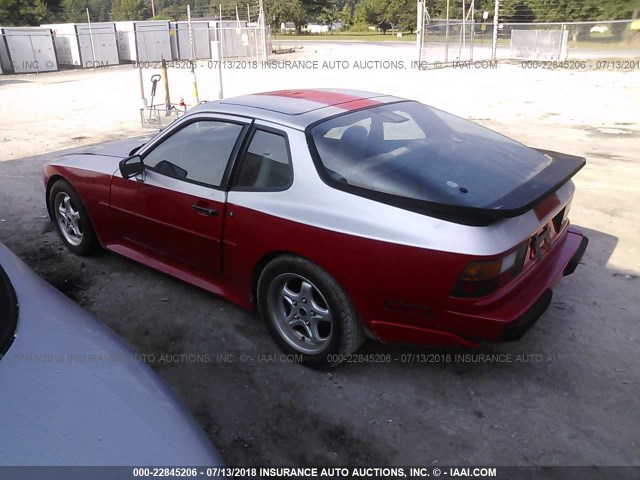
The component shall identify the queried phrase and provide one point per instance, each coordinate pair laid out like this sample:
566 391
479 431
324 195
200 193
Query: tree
328 15
74 10
368 12
200 8
23 12
393 12
407 20
346 16
104 13
282 11
620 10
129 10
565 10
516 11
386 13
438 8
315 10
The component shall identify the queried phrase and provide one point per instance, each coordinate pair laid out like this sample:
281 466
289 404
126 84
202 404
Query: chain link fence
478 36
455 41
465 37
568 40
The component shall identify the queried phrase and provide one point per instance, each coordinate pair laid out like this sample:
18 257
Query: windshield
413 151
8 312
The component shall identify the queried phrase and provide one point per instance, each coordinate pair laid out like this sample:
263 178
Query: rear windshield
8 313
413 151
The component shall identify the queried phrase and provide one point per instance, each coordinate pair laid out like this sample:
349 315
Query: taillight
484 277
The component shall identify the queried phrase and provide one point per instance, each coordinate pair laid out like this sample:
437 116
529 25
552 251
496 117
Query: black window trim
243 153
246 126
11 313
473 216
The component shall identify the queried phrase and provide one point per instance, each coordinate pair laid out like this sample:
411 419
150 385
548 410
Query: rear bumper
577 257
507 317
515 330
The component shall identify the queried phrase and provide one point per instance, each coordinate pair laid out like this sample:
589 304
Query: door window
198 152
266 165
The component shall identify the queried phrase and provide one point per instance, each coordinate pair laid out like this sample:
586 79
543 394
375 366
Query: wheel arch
269 257
260 266
50 183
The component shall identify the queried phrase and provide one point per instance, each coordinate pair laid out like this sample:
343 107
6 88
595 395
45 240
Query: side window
266 165
198 152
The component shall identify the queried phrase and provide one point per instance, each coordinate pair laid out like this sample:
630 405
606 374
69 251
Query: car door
175 210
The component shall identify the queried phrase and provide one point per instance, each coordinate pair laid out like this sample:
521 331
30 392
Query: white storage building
77 43
235 37
27 50
5 62
201 42
147 41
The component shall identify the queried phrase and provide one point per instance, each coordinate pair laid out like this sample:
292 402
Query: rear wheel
71 219
307 312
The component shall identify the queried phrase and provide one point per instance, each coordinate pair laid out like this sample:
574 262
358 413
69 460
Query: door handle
212 212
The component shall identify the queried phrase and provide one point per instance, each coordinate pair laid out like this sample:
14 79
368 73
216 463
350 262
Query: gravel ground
566 394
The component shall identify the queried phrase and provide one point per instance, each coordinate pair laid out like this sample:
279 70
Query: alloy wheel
300 313
68 218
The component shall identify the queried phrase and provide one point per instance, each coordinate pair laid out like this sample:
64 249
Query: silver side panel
311 202
93 163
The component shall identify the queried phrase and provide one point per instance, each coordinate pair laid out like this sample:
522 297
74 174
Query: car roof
296 108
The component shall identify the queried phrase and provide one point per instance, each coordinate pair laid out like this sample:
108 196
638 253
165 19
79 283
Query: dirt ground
568 395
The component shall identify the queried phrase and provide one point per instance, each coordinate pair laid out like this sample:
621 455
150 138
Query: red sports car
335 214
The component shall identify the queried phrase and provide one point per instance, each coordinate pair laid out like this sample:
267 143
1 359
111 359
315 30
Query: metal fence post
420 29
473 28
193 55
167 95
495 32
221 33
462 46
143 100
93 50
446 37
263 29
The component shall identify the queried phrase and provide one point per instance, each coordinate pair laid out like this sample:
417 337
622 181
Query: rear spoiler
521 200
524 198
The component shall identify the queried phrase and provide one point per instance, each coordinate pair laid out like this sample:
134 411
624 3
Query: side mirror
131 166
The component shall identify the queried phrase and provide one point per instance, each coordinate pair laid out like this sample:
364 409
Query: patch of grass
597 45
479 39
346 36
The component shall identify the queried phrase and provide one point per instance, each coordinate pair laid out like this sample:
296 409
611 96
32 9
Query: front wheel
307 312
71 219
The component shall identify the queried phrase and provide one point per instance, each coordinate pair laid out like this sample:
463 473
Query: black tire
346 334
88 241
